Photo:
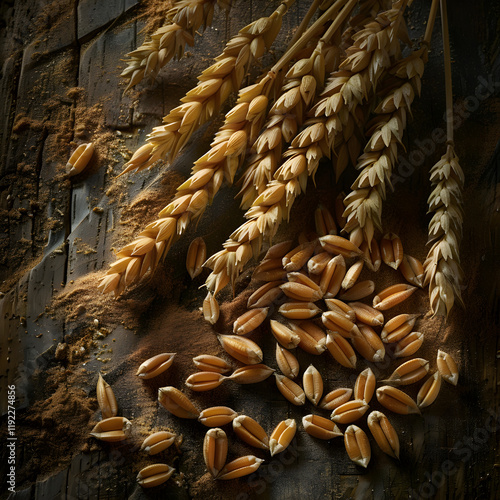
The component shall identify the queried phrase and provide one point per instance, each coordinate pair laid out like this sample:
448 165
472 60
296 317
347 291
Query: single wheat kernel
349 412
384 433
204 381
269 270
312 337
215 450
80 159
447 367
412 270
317 263
396 400
392 296
371 255
332 276
429 390
335 398
324 221
352 274
313 385
284 335
299 310
155 365
360 290
342 308
298 257
409 372
249 321
320 427
364 388
251 432
106 399
240 467
408 345
265 295
177 403
290 390
241 348
341 350
391 250
366 314
154 475
112 429
398 327
209 363
300 292
157 442
196 256
217 416
279 250
337 322
357 445
338 245
282 436
368 344
211 309
287 362
251 374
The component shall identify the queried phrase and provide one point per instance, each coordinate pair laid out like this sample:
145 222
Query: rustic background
60 63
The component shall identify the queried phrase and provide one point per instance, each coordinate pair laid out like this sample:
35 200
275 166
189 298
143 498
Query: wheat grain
204 381
215 450
335 398
429 391
157 442
154 475
282 436
152 367
290 390
313 385
409 372
240 467
251 374
447 367
177 403
287 362
112 429
320 427
384 433
106 399
209 363
357 445
217 416
249 321
251 432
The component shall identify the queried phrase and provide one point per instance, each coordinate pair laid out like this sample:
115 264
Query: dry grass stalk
106 399
443 273
282 436
157 442
384 433
152 367
287 362
251 432
215 450
215 85
357 445
177 403
154 475
240 467
217 416
182 21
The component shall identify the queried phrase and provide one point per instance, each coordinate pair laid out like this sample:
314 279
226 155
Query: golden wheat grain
396 400
320 427
215 450
447 367
241 348
177 403
157 442
408 345
409 372
196 256
398 327
209 363
112 429
240 467
335 398
249 321
357 445
313 385
251 374
106 399
368 344
282 436
391 250
154 475
287 362
204 381
341 350
384 433
290 390
251 432
210 309
217 416
364 388
312 337
80 159
156 365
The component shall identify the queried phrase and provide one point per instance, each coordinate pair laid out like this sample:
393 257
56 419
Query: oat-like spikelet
215 85
443 273
183 20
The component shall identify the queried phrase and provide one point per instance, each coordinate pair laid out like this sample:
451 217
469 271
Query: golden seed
209 363
313 385
251 374
398 327
359 291
364 388
303 279
337 322
299 310
155 365
341 350
320 427
216 416
391 250
265 295
408 345
79 159
196 256
106 399
447 367
251 432
371 255
249 321
384 433
332 276
429 390
240 467
215 450
342 308
368 344
269 270
300 292
284 335
409 372
412 270
154 475
317 263
339 246
211 309
297 258
177 403
112 429
349 412
312 337
279 250
335 398
324 221
287 362
352 274
242 349
290 390
204 381
366 314
396 400
158 441
282 436
357 445
392 296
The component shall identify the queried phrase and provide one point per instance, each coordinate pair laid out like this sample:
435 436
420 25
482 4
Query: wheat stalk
342 94
443 273
215 85
169 41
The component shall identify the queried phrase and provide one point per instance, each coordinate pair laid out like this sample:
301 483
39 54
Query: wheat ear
215 85
301 161
169 41
442 268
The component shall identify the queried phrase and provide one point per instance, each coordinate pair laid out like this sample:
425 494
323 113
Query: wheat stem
447 72
430 22
305 22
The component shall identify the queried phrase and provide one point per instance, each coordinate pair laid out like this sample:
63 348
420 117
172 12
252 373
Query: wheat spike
183 20
215 85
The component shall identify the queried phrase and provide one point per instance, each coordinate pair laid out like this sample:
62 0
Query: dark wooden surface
48 48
